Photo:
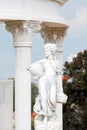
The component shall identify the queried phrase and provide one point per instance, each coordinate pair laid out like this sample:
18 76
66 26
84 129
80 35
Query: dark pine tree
75 110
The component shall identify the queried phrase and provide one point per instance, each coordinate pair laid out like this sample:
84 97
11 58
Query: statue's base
52 124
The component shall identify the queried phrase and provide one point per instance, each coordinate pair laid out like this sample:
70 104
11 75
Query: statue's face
48 53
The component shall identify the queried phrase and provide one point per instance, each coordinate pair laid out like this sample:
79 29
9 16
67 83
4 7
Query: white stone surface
47 12
22 39
52 124
22 46
56 36
49 88
40 10
6 105
59 109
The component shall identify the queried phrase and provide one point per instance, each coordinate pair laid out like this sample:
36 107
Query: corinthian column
22 32
55 36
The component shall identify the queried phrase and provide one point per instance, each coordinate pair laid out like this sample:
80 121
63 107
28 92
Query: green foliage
75 110
77 70
34 92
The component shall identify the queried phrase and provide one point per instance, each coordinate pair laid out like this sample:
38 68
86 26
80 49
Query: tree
75 110
34 92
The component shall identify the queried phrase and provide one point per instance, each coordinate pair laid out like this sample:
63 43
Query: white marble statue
48 74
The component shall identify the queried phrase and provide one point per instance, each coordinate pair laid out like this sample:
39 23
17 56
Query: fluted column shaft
56 36
22 32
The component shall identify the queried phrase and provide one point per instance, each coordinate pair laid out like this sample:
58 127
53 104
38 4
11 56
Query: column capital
53 35
22 32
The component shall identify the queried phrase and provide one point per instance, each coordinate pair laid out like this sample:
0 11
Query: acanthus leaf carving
61 2
53 35
22 31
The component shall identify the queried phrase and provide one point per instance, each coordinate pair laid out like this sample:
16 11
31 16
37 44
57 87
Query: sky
75 13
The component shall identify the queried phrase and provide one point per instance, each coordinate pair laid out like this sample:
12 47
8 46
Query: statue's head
50 49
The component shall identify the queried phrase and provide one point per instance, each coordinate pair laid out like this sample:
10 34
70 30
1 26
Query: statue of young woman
48 74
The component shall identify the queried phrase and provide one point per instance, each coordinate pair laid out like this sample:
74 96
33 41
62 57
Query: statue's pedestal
52 124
